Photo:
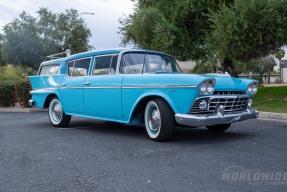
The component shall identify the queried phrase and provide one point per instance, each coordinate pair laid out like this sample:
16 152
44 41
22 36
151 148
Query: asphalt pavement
101 156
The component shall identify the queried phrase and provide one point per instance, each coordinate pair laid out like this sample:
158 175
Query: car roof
100 52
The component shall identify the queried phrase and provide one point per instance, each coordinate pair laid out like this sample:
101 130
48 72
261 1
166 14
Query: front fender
179 99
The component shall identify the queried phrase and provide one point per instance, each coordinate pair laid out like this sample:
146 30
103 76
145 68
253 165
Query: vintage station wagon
136 86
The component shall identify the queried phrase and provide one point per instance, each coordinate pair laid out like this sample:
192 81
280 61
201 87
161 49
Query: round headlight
202 87
254 88
210 87
250 89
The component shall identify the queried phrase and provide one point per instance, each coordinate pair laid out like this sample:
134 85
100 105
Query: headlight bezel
252 88
206 87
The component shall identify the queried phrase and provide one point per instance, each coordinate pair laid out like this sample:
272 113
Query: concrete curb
274 116
22 110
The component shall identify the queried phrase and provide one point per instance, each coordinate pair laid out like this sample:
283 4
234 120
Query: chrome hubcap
154 119
56 111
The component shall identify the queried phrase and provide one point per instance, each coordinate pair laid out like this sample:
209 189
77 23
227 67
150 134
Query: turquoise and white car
135 86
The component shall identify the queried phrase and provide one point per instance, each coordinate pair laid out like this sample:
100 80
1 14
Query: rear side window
105 65
79 67
50 70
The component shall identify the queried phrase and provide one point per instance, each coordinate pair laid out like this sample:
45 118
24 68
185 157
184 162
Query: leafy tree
2 62
176 26
73 32
28 40
209 64
247 30
239 30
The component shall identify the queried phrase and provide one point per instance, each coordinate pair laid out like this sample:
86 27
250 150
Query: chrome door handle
86 83
63 84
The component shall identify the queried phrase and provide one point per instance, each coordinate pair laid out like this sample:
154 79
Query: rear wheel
159 120
56 114
218 128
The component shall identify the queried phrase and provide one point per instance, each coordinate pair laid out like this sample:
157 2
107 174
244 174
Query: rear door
102 91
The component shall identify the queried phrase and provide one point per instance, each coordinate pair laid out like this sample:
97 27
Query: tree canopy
175 26
235 30
27 40
248 30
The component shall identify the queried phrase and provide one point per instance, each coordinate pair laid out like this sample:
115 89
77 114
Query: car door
72 91
102 91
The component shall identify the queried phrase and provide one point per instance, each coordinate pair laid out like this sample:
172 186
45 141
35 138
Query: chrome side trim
44 89
158 86
197 120
102 87
117 87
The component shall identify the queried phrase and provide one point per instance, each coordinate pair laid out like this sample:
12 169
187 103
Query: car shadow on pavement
203 136
182 135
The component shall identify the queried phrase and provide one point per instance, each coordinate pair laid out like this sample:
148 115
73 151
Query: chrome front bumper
197 120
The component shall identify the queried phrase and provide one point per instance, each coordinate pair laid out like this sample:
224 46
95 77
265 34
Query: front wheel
218 128
159 120
56 114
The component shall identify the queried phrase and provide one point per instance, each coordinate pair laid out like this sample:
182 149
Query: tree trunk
228 67
268 73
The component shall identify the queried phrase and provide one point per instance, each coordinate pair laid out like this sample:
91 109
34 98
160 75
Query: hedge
7 94
23 88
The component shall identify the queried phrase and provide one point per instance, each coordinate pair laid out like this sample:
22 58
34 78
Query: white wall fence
273 77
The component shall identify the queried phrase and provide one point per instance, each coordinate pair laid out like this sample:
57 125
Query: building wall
186 66
284 72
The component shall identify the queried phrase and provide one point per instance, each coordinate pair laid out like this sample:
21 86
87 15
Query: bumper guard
197 120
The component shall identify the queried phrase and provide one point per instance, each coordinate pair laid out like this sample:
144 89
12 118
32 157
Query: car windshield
137 63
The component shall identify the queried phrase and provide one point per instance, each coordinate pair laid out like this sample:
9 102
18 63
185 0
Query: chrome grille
228 93
236 104
230 103
195 107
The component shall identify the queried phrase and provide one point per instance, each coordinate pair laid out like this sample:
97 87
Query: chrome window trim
113 54
139 51
67 67
41 66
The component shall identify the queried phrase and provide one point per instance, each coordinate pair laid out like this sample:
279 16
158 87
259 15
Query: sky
103 24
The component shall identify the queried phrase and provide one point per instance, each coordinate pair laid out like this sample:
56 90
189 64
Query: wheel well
48 100
138 112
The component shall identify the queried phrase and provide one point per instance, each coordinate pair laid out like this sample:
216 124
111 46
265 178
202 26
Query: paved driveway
100 156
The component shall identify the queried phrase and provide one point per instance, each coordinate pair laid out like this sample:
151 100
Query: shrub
7 97
15 73
23 88
278 80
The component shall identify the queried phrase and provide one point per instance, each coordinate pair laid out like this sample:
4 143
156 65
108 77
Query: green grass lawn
271 99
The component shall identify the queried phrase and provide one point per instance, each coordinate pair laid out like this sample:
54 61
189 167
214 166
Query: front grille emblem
220 110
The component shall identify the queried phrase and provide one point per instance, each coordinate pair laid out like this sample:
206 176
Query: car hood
225 82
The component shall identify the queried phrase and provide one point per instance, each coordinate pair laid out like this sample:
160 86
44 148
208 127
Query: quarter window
79 67
50 70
